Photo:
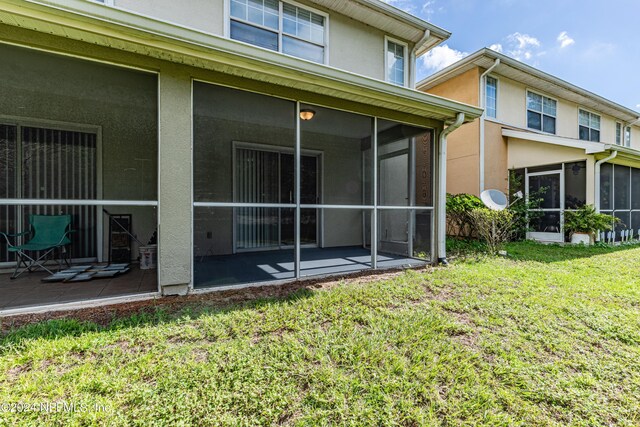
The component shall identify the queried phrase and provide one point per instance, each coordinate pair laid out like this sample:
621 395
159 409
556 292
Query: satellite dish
495 200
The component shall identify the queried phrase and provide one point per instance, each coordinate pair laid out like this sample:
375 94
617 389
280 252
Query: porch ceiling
114 28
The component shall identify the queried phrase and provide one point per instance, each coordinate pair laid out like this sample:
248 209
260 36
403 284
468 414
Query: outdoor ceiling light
307 114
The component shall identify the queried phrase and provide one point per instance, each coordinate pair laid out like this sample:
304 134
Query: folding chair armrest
7 235
14 235
66 234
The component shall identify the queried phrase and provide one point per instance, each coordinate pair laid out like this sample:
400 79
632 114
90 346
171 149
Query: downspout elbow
442 188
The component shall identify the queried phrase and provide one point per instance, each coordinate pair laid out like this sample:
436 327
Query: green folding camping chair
48 233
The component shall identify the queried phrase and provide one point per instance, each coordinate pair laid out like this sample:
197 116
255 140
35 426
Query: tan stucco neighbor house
261 141
580 147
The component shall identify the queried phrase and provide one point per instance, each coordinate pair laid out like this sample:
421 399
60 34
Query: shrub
586 220
494 227
458 208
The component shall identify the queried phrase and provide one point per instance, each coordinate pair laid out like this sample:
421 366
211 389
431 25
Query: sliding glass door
45 163
265 176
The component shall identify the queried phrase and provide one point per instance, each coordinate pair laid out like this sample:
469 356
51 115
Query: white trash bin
148 257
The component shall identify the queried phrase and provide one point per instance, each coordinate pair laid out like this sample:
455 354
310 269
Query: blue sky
592 44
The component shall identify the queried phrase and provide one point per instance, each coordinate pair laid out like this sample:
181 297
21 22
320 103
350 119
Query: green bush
586 220
459 206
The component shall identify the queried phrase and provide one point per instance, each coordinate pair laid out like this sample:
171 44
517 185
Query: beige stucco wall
463 145
635 137
463 88
356 47
462 159
524 154
496 157
511 102
203 15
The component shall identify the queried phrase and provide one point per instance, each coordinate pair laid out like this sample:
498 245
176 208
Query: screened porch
78 139
286 190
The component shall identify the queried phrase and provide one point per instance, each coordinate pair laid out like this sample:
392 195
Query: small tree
494 227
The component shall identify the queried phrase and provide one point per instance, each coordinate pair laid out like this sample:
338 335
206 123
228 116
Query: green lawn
546 336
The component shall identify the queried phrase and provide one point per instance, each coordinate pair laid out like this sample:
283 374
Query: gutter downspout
483 78
412 58
596 189
442 188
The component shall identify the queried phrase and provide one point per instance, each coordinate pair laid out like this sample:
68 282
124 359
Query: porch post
175 191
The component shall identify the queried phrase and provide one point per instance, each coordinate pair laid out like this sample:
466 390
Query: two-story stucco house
260 140
551 134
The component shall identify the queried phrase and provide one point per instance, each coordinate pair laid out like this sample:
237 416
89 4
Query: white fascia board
588 146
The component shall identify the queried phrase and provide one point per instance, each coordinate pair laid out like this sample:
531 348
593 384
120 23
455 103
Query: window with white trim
627 136
395 62
491 97
588 126
541 113
279 26
618 133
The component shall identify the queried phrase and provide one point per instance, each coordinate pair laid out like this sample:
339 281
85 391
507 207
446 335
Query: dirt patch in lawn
104 315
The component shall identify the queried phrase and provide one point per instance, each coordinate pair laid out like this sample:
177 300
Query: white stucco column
175 189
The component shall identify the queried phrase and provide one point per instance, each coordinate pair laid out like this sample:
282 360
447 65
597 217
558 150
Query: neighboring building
551 134
264 140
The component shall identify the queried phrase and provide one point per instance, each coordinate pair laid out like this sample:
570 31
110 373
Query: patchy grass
546 336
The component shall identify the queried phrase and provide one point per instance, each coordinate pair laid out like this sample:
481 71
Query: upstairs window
588 126
491 97
618 133
396 63
258 22
541 113
627 136
303 33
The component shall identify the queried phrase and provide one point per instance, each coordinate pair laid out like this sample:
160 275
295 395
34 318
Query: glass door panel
393 229
268 177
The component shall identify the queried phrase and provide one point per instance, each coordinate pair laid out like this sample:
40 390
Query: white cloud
565 40
441 56
425 10
637 105
522 47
